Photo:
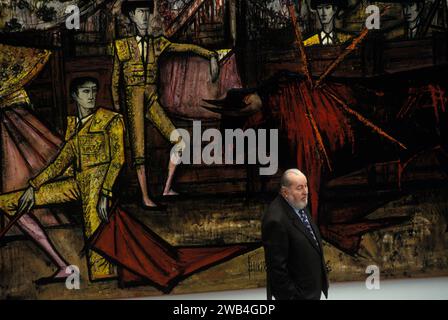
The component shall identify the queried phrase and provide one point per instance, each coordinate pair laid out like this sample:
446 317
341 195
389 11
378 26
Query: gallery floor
408 289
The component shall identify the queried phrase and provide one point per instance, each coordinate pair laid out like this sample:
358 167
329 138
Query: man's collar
139 38
330 35
88 117
85 119
416 25
325 34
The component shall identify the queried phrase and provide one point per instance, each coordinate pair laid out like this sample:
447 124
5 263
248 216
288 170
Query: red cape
145 258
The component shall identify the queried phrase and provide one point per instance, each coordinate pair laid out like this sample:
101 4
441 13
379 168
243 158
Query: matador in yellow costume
84 170
136 67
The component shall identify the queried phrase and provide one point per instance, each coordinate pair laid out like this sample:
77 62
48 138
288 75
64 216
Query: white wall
409 289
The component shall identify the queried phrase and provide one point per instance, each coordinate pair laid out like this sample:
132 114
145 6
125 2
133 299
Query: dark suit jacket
295 263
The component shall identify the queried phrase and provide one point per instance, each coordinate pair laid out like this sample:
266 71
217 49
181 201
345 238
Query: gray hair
285 181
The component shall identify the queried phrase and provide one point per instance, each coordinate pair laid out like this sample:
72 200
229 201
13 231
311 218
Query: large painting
141 141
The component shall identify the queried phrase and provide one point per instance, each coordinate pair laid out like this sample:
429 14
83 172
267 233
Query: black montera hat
130 5
341 4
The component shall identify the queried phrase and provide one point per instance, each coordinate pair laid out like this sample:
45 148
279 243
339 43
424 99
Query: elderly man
292 243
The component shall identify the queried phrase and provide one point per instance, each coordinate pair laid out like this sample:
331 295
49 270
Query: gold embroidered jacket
128 64
341 38
98 146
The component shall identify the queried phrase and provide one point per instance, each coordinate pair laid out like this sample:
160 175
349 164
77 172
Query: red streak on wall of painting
315 128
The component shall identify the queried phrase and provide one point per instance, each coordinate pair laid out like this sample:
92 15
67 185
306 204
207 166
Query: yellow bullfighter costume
86 167
337 37
139 75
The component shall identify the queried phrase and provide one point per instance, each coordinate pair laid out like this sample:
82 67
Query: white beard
302 204
299 205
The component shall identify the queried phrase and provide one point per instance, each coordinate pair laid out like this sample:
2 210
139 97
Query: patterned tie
302 215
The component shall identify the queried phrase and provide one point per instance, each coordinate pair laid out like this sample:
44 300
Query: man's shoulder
71 120
124 40
122 48
344 35
103 118
161 43
312 40
275 211
107 114
71 125
394 31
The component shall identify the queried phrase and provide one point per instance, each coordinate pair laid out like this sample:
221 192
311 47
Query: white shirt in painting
327 38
